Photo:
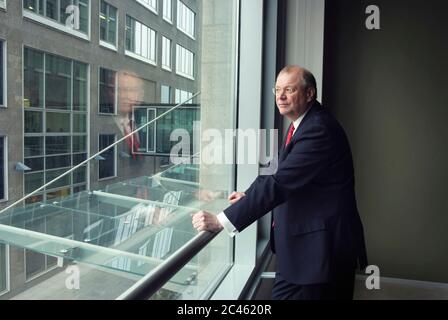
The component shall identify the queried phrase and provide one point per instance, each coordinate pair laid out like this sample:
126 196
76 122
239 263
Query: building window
149 4
2 75
2 5
4 252
55 137
54 13
168 10
3 166
182 96
107 167
140 41
184 62
185 19
166 53
108 23
108 91
165 94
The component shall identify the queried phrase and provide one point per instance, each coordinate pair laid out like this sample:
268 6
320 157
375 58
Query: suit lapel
286 149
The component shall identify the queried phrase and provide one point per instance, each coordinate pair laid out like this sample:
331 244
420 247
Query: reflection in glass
33 181
58 82
34 146
58 122
107 166
33 122
57 145
108 79
79 86
33 79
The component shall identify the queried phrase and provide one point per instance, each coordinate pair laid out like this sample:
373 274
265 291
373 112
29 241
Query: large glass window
108 89
134 188
3 167
184 62
108 23
2 76
3 4
166 53
185 19
140 40
107 158
55 11
55 120
168 10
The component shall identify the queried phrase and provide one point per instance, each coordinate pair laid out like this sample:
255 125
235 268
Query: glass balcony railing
124 230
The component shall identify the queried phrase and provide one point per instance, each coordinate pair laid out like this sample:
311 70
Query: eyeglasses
279 91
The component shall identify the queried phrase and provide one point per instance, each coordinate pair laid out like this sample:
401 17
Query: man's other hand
236 196
206 221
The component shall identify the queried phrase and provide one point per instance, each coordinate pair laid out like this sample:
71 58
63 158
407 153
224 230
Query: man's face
291 99
130 92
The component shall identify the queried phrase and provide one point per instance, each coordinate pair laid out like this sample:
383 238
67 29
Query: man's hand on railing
236 196
206 221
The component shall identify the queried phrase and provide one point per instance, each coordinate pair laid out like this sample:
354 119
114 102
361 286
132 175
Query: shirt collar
296 123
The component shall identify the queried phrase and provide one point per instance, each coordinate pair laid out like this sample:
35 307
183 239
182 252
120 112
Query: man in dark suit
316 232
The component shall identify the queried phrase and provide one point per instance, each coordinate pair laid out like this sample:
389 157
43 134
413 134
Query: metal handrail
146 287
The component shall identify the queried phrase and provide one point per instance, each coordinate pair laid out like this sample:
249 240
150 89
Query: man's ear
310 94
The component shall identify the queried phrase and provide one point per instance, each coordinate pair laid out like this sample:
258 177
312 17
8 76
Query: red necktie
290 134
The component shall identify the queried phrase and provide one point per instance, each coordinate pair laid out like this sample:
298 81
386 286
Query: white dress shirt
222 218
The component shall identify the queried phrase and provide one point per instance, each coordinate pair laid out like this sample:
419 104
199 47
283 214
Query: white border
56 25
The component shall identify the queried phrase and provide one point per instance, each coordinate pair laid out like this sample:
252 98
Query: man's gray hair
308 79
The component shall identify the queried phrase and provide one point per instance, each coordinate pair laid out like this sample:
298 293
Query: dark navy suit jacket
317 234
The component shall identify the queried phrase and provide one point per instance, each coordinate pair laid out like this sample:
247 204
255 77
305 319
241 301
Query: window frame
115 173
150 8
5 168
115 113
8 271
104 43
4 71
179 27
179 62
135 55
42 19
170 56
165 18
44 134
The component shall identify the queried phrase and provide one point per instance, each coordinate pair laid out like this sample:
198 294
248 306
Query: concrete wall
388 89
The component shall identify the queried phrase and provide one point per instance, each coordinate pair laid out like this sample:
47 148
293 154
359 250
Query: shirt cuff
228 226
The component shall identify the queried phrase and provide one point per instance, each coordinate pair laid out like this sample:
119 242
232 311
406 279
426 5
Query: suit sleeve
310 154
